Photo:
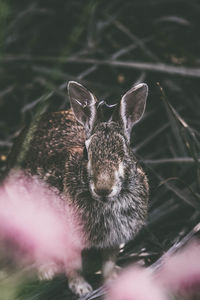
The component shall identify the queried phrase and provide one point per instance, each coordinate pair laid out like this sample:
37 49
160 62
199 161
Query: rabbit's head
107 143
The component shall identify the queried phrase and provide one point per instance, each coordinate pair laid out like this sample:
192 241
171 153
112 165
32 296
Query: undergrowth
109 46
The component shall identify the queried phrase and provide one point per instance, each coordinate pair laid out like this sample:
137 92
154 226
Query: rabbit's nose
103 192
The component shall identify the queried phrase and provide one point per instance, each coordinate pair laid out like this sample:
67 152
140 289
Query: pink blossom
38 223
180 272
135 283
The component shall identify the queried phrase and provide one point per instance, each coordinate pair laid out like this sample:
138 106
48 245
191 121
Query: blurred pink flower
179 275
180 272
38 222
135 283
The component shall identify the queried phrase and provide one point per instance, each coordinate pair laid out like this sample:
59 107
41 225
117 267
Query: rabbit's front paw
110 271
47 271
79 286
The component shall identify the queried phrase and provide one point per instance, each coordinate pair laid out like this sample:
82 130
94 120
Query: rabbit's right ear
83 104
132 107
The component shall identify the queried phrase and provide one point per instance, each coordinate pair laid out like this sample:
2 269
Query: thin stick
149 138
176 247
94 294
153 67
135 39
169 160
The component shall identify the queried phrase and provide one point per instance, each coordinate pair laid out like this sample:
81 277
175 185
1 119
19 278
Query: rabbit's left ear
83 104
132 106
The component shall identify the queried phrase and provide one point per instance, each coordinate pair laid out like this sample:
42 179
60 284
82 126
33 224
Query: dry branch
145 66
169 160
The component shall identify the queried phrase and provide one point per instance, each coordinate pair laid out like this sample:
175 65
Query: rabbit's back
50 141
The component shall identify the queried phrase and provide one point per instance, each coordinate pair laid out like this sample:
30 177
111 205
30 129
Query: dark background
44 44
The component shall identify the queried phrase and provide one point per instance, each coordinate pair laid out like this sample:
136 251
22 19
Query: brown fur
104 182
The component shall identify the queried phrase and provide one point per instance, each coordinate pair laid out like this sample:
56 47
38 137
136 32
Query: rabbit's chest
111 227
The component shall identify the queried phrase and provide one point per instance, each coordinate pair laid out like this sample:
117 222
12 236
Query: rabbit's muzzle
105 185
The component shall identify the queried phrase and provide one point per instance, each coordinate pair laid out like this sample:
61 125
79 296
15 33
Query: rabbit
90 161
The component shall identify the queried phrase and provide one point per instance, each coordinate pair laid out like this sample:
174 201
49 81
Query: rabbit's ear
83 105
132 106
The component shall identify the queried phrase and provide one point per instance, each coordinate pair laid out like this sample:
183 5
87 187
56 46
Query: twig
181 194
169 160
5 143
136 40
129 48
176 247
32 104
87 72
7 91
151 137
94 294
153 67
114 56
174 19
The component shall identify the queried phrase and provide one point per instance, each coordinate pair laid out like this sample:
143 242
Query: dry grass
109 46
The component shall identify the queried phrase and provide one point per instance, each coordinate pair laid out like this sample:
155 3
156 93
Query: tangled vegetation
109 46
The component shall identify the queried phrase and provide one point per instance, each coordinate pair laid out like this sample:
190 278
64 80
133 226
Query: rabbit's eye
85 153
